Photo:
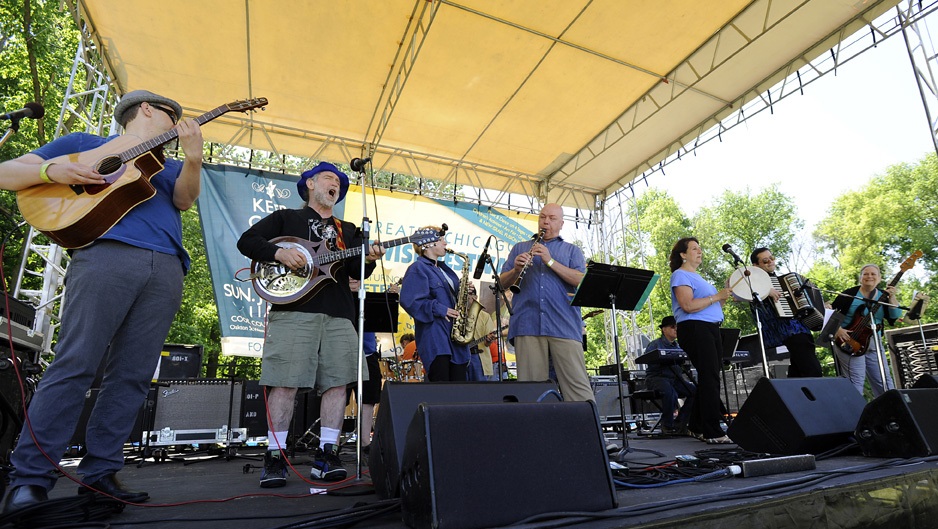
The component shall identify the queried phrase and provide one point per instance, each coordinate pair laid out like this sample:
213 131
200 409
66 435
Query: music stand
381 311
915 312
606 286
825 339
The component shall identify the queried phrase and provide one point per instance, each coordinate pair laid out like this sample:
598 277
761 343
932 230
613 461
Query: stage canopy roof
566 100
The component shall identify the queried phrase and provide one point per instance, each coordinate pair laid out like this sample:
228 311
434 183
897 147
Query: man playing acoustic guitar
123 291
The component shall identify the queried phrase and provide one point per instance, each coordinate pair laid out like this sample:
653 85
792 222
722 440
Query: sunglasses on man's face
169 112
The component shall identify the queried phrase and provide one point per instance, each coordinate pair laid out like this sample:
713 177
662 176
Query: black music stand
381 312
606 286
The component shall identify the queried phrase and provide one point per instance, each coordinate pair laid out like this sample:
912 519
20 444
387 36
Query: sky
844 130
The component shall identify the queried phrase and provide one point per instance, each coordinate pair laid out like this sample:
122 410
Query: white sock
328 436
276 441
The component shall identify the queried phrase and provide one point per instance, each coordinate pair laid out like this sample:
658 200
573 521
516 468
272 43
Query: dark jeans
120 300
671 389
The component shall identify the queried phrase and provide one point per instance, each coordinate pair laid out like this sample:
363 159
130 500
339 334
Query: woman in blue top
865 365
428 294
698 309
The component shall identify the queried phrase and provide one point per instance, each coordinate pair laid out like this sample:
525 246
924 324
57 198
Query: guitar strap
340 238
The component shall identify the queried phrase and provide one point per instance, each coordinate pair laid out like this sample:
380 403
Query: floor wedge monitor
459 458
900 423
797 415
399 401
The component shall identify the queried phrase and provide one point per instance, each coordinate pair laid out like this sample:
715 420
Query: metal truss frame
91 96
849 46
89 101
921 48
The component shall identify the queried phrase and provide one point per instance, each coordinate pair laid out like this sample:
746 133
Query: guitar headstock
425 236
243 105
910 262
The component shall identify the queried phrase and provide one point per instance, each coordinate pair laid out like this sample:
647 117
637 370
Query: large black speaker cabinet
900 423
461 458
797 415
399 402
926 381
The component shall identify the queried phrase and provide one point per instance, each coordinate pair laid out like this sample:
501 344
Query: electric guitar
859 329
479 341
278 284
75 215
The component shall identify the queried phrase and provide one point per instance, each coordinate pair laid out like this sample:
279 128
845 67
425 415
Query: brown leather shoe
24 496
111 486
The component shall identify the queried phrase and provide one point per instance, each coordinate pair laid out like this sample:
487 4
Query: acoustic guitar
278 284
75 215
859 330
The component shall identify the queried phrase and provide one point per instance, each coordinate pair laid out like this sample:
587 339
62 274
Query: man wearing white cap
312 345
123 291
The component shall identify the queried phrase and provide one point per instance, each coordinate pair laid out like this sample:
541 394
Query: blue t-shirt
542 308
701 289
369 343
155 224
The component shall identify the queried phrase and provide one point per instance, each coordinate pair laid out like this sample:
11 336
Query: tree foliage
883 222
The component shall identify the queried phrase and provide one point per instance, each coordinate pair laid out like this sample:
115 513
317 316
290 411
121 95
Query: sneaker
275 470
326 464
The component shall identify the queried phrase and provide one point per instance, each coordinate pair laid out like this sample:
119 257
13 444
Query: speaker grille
198 404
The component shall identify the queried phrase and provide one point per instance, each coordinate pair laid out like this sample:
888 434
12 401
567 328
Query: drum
412 371
390 370
743 284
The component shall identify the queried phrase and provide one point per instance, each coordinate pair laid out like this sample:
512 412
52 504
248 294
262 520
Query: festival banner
234 198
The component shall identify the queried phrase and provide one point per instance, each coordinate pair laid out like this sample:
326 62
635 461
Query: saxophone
465 324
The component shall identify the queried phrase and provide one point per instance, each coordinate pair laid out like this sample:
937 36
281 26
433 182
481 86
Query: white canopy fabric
566 100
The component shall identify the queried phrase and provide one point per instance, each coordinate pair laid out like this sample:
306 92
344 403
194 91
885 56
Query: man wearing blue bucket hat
311 344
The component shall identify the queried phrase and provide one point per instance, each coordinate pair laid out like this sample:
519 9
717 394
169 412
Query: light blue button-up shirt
542 308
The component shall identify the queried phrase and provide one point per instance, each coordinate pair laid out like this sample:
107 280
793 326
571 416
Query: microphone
358 164
32 110
729 249
480 264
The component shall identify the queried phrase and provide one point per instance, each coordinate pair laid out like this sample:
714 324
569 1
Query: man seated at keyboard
666 377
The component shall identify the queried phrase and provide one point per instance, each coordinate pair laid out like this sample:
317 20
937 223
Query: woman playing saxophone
428 294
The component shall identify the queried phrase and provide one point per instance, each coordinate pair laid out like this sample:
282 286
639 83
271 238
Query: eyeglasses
767 260
169 112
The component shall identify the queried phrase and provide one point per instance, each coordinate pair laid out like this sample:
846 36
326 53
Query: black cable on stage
560 519
330 518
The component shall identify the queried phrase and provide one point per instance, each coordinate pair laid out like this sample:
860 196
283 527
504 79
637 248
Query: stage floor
847 491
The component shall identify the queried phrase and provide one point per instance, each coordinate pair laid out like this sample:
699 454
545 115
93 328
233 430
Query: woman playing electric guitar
854 351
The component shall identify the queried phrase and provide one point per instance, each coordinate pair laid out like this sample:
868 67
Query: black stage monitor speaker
900 423
926 381
797 415
460 457
399 402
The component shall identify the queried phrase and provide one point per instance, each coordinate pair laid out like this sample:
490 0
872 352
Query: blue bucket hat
322 168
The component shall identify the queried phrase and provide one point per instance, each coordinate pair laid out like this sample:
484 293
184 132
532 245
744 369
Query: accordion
800 299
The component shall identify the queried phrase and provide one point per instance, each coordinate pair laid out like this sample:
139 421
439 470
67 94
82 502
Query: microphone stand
366 231
499 292
14 128
757 302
